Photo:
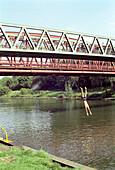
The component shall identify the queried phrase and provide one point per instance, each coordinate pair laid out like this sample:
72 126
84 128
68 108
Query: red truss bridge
26 50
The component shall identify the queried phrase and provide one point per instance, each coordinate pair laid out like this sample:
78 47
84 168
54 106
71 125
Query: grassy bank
17 159
28 93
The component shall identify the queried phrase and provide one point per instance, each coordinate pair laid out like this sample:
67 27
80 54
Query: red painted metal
32 65
12 37
12 72
14 65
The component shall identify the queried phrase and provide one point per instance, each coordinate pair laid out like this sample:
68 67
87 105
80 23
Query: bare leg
82 91
86 111
24 45
89 110
85 102
85 91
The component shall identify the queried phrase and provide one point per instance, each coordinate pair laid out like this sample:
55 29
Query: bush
25 91
61 96
4 90
76 95
42 93
14 94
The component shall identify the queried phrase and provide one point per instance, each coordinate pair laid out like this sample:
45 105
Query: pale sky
86 16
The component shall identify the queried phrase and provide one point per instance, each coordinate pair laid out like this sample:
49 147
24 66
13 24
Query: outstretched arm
82 91
85 91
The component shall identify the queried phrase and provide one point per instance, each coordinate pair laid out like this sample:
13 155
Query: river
62 128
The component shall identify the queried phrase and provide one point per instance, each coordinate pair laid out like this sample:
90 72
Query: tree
68 89
4 90
24 82
112 82
4 81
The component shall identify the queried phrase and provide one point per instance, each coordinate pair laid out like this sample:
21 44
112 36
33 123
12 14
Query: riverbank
29 93
16 158
27 158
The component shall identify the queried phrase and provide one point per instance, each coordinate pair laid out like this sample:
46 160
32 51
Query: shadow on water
62 128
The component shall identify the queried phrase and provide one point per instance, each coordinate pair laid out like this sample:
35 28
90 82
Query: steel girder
50 43
46 66
17 72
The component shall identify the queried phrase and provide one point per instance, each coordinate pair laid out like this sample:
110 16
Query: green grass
28 93
101 94
13 158
13 94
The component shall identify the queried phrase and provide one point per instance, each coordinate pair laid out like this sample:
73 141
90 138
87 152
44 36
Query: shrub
61 96
75 96
14 94
42 93
26 91
4 90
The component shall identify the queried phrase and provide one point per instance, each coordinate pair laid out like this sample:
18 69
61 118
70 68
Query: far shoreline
56 98
25 93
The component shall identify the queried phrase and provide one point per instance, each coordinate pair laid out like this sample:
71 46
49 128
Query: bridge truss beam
49 43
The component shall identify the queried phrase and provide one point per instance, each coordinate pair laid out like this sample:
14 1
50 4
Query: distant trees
112 82
16 83
67 83
24 81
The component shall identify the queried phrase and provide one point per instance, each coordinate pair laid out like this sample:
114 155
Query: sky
95 17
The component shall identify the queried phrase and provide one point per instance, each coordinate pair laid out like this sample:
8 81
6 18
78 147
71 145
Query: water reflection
62 128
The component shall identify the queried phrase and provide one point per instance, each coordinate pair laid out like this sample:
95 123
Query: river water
62 128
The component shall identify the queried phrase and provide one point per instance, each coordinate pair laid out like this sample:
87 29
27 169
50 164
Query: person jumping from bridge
84 98
24 42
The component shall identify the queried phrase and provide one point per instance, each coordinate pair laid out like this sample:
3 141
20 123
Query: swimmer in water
84 98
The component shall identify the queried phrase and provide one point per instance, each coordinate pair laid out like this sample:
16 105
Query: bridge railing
54 43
